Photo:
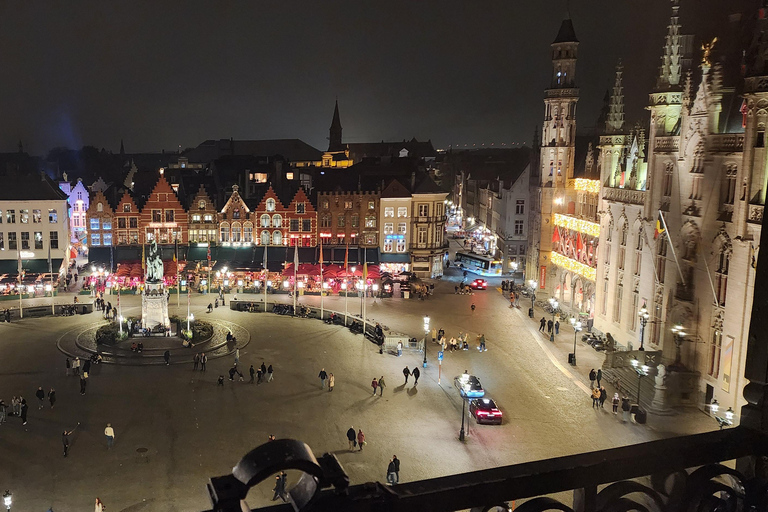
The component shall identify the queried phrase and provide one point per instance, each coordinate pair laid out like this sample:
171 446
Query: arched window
277 238
224 228
236 232
265 221
236 213
270 205
265 237
277 221
247 232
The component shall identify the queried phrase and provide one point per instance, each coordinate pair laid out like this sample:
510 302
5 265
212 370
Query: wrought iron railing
670 475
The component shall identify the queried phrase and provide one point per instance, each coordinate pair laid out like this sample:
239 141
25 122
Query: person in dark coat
542 324
352 438
40 394
323 377
549 326
263 368
391 473
406 373
24 408
396 462
167 357
592 377
252 372
279 489
416 374
557 327
52 397
603 397
599 376
232 372
65 441
259 375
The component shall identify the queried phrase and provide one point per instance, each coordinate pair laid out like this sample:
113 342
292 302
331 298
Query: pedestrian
15 406
280 487
322 375
3 412
167 357
69 367
203 360
557 327
473 307
99 506
52 397
352 438
360 439
40 394
482 348
625 408
599 376
251 371
550 324
331 382
237 355
76 366
374 385
109 433
592 377
269 373
263 369
382 384
24 408
397 468
196 361
82 384
258 372
391 474
399 348
542 324
65 440
406 373
595 397
416 374
615 403
220 381
271 437
603 397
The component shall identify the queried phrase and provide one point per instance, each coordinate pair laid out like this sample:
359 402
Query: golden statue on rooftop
707 49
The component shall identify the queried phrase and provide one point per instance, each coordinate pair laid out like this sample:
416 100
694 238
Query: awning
100 255
401 257
36 266
126 253
195 253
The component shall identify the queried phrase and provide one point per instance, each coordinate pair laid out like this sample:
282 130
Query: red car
485 411
479 284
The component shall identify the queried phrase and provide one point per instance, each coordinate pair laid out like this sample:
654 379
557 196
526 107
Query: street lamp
190 317
641 371
533 284
723 422
463 413
7 499
643 314
553 302
576 329
679 335
426 332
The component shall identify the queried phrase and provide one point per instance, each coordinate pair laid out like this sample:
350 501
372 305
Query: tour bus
478 264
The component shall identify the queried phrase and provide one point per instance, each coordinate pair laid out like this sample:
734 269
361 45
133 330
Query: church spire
122 149
615 121
670 71
334 139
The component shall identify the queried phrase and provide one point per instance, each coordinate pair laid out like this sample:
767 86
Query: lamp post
190 317
679 334
463 413
553 302
642 371
426 332
576 329
722 422
7 499
643 314
533 284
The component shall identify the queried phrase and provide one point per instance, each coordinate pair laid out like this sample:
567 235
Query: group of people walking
326 378
549 325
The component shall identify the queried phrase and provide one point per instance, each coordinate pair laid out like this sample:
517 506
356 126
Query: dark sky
170 73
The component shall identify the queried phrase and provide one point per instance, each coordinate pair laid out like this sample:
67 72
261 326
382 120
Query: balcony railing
624 195
667 144
675 474
727 143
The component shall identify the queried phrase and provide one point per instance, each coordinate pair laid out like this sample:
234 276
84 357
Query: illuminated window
300 207
95 239
402 211
277 221
289 175
277 238
265 221
126 207
24 216
347 205
12 241
270 205
371 205
389 228
423 210
370 221
38 239
389 211
248 232
388 245
402 228
401 245
10 216
108 239
36 216
95 223
265 238
106 224
196 217
224 232
236 232
99 207
258 177
201 205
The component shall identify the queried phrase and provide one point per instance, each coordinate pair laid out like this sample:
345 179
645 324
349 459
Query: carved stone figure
154 264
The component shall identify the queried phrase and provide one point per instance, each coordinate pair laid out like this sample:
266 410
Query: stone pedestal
659 404
154 306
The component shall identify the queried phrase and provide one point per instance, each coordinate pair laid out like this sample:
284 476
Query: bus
483 265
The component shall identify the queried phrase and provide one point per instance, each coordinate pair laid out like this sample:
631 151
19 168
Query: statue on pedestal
154 264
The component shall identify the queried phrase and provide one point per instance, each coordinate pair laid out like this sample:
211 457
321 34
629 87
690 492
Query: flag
209 254
295 259
659 226
176 251
50 263
143 257
265 260
555 236
579 243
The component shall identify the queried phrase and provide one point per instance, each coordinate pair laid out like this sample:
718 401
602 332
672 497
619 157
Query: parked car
469 386
479 284
484 410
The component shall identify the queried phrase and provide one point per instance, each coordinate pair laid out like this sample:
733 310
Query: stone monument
154 303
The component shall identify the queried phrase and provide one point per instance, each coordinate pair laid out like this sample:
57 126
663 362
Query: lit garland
587 185
582 226
573 266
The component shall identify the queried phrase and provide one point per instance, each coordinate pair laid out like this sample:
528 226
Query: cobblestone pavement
175 427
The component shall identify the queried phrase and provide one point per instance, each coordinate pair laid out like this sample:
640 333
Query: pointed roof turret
615 121
334 139
122 148
670 71
566 34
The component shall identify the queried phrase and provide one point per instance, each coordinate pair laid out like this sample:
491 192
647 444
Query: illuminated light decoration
582 226
584 185
574 266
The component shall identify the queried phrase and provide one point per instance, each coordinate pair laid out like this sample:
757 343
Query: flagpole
365 283
295 284
322 282
178 281
671 246
266 277
346 281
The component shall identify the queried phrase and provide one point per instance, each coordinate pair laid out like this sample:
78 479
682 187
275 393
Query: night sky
166 74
